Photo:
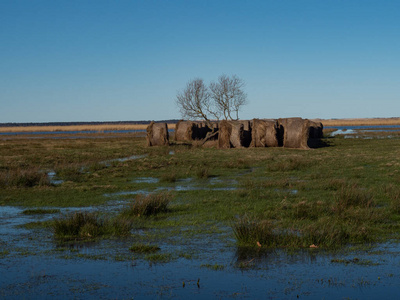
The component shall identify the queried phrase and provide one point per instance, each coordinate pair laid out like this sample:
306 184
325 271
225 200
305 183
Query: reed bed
360 122
97 128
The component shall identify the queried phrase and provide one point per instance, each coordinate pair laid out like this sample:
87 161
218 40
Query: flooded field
34 265
194 252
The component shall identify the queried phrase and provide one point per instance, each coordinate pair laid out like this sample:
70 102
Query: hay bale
234 134
190 131
157 134
184 131
265 133
224 135
296 132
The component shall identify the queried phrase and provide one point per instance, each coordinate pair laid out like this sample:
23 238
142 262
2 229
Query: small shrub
144 248
148 205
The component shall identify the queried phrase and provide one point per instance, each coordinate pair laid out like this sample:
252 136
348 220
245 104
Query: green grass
148 205
86 226
158 258
344 194
40 211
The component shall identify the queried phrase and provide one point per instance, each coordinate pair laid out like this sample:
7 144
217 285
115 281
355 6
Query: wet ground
34 265
367 132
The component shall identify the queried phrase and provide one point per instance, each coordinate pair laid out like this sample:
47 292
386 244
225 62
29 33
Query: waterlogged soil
34 265
191 263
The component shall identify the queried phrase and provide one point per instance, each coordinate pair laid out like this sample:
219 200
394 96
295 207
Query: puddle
146 180
52 175
343 131
124 159
287 191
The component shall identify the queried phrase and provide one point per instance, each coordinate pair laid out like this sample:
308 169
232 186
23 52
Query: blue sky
97 60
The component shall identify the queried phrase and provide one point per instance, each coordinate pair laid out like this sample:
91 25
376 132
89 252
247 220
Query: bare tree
194 102
228 96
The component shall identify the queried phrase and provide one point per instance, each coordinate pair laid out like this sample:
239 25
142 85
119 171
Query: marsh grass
324 209
71 172
23 177
250 231
169 177
291 163
88 225
352 196
158 257
148 205
351 217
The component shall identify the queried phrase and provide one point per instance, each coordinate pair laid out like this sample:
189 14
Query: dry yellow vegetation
104 127
98 128
360 122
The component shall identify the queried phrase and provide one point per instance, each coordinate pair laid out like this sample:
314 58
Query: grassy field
347 193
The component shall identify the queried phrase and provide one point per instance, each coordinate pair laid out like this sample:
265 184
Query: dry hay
157 134
234 134
190 131
265 133
295 132
224 135
184 131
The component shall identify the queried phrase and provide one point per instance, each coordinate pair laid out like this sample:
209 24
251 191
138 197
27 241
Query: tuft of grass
85 225
144 248
27 177
169 177
203 173
79 225
148 205
251 232
158 257
352 196
215 267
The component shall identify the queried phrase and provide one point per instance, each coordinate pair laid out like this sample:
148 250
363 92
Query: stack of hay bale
286 132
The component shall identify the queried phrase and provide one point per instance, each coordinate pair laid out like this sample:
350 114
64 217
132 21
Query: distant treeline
173 121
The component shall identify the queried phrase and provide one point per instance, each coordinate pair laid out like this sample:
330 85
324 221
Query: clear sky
81 60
